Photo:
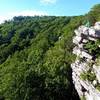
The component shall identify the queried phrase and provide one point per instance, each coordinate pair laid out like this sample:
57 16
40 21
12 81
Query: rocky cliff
86 68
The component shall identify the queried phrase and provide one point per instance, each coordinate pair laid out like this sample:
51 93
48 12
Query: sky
11 8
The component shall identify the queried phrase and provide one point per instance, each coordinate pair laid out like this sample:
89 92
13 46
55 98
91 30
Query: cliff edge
86 68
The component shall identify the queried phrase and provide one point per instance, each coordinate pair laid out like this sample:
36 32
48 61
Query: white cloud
48 1
10 15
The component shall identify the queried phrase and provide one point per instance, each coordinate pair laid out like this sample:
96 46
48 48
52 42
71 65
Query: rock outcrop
85 71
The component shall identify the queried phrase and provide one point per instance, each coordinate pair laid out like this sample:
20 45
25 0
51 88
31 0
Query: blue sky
10 8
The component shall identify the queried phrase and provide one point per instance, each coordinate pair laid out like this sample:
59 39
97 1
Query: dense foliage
35 58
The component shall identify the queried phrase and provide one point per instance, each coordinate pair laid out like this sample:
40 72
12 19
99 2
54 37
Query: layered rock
86 88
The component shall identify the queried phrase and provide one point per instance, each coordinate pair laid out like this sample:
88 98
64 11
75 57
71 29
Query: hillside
36 54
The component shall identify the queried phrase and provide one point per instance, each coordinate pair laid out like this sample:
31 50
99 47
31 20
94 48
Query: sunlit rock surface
85 88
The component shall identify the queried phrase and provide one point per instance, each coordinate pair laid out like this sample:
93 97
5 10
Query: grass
88 76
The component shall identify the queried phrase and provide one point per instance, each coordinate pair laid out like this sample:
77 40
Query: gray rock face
85 88
97 72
